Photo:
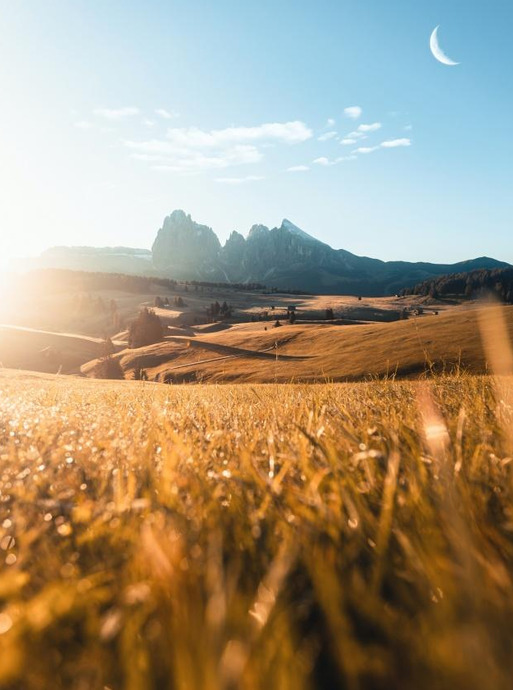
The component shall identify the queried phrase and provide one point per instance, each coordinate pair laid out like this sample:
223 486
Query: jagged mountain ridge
285 257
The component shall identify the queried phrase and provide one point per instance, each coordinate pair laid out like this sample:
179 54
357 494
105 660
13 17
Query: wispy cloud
394 143
369 128
298 168
285 132
347 141
353 112
388 144
186 149
165 114
116 113
83 124
239 180
327 136
168 158
330 123
366 149
326 162
148 123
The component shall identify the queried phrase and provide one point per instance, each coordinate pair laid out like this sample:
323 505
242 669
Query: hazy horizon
222 239
336 116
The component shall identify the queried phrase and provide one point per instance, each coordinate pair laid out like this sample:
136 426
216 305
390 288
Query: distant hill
318 352
284 257
101 259
496 281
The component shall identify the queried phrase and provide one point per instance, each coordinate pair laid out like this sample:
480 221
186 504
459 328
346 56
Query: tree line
471 284
55 278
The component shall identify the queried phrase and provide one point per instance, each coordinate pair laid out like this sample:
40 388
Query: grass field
272 536
320 352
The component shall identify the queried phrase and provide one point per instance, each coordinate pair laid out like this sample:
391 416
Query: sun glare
256 346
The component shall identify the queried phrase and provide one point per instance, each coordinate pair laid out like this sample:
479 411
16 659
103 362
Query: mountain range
284 257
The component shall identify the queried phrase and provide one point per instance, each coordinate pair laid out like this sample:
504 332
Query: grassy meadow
270 536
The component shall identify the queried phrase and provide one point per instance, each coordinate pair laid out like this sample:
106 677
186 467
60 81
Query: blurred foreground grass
288 537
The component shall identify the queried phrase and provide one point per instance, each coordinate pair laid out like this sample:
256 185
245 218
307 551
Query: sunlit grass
330 536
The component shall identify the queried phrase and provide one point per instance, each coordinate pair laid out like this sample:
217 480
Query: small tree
158 302
108 368
140 374
108 347
329 314
433 292
145 330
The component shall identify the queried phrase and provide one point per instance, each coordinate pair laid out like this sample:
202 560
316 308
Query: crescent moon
438 53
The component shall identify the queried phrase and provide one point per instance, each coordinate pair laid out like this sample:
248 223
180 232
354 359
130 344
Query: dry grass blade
499 352
213 538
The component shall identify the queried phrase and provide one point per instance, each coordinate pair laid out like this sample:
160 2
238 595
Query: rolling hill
316 352
44 351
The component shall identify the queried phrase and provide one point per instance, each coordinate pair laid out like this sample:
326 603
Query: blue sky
115 113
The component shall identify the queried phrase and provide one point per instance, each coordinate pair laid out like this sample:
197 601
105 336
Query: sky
333 114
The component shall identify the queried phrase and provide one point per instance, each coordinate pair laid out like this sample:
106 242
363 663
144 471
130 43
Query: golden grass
211 538
322 352
47 352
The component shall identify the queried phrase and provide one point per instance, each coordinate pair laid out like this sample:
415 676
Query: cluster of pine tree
108 368
472 284
222 311
160 303
145 330
84 281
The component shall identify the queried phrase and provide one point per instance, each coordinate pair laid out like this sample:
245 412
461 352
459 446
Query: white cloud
83 124
298 168
388 144
166 114
187 149
348 141
326 162
330 123
239 180
353 112
366 149
327 136
148 123
173 159
394 143
369 128
284 132
362 131
116 113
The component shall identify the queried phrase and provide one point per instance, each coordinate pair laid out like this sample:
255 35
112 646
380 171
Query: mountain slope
284 257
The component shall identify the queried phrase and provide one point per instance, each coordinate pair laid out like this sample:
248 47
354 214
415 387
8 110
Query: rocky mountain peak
181 241
257 230
294 230
179 216
283 256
